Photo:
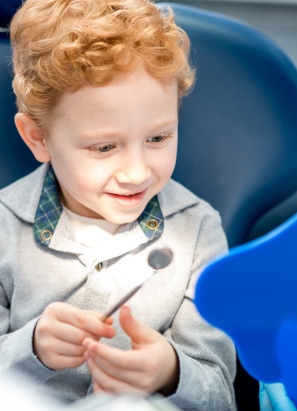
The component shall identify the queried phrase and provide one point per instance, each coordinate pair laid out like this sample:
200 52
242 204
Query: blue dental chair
16 160
7 10
238 133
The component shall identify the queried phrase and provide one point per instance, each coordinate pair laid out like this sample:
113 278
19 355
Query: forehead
137 84
135 96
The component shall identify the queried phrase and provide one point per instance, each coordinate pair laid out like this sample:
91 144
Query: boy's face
114 147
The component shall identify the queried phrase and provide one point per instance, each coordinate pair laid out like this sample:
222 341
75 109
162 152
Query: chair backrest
238 132
238 128
15 158
7 10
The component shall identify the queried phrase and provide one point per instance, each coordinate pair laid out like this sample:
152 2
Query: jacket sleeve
207 357
16 345
16 348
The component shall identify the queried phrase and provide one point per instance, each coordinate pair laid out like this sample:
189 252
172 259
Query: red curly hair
60 45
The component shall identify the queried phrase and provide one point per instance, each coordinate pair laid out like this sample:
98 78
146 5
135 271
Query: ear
32 136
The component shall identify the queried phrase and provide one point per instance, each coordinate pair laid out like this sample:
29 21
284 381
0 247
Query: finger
47 332
88 321
68 333
139 333
126 366
130 375
97 387
105 382
62 355
63 362
67 349
113 357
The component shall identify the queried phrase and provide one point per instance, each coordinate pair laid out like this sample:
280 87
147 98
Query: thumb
139 333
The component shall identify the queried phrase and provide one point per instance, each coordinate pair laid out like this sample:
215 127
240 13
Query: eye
104 148
158 139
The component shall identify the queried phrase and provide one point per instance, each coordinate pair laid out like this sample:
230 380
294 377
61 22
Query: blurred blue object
251 293
273 397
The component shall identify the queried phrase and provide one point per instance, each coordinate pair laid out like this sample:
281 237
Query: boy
98 84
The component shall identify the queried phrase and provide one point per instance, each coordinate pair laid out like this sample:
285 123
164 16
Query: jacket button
46 235
98 266
152 224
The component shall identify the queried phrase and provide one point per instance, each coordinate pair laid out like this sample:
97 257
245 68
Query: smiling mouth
134 197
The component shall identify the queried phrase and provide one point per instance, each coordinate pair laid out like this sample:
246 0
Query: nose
134 169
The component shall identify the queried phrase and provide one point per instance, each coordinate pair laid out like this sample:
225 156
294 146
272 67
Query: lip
129 199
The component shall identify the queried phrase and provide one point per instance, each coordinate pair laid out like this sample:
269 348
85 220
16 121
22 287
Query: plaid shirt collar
49 211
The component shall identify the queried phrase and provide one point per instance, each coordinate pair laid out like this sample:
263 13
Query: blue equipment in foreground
251 294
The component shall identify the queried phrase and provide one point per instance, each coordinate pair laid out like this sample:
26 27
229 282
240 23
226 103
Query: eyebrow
163 127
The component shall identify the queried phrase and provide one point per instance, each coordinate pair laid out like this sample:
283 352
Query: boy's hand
149 367
60 331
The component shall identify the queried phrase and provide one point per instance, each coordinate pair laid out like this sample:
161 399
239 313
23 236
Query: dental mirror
157 259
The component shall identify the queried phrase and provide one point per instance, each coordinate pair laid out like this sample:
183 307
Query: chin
125 219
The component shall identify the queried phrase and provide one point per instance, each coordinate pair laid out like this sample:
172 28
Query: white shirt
94 233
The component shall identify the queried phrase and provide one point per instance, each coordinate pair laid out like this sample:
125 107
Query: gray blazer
32 276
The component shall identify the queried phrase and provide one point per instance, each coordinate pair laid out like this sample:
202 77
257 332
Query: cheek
166 165
83 181
85 177
170 166
73 176
170 160
70 167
